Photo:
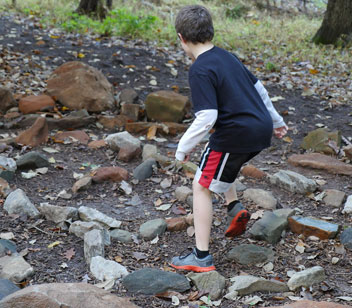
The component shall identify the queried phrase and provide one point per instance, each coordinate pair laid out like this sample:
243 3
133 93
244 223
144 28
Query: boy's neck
197 49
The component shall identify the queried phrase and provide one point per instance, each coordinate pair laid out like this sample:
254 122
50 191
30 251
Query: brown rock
348 151
131 111
313 304
334 197
190 219
165 128
166 106
68 123
6 99
113 122
127 153
114 174
79 135
37 134
310 226
128 96
96 144
33 103
12 115
253 172
322 162
82 183
69 295
80 86
4 188
176 224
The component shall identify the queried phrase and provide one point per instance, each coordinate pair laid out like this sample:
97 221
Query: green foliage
238 11
270 66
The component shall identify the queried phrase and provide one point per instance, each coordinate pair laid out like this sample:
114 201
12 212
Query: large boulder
80 86
166 106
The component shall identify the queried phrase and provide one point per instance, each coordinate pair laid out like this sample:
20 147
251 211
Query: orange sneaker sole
238 224
195 268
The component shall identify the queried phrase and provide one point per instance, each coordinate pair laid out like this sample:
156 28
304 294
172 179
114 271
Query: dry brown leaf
152 132
69 254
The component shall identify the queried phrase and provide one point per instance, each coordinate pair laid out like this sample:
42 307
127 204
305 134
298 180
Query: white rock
89 214
306 278
106 270
122 140
17 202
348 205
58 214
93 244
182 192
15 268
262 198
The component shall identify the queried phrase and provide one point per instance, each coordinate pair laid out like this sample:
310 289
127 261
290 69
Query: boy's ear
181 37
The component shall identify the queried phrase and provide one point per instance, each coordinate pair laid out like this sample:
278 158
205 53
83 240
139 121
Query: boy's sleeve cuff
180 156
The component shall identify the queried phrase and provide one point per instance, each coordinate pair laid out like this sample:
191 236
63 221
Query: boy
226 96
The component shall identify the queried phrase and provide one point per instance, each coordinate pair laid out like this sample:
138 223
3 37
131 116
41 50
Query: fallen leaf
300 247
190 231
155 240
69 254
54 244
158 202
164 207
258 214
152 132
277 98
118 259
179 210
287 139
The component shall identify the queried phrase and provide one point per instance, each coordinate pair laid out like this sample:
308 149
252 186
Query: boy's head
195 24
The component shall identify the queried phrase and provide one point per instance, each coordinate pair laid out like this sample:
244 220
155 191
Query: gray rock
7 247
240 186
122 140
250 254
90 214
334 197
182 192
58 214
79 228
128 96
32 160
153 281
262 198
7 287
121 235
106 270
346 238
248 284
93 245
285 213
149 150
348 205
7 168
306 278
269 228
293 182
7 100
211 282
78 114
18 203
15 268
144 170
152 228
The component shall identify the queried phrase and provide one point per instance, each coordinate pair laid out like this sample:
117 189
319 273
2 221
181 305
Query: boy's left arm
280 127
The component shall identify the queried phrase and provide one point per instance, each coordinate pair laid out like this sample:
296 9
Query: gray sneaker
191 262
237 220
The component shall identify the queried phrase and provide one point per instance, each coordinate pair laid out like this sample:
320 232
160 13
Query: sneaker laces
183 255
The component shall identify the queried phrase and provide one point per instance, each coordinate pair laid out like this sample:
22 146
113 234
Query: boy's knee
198 188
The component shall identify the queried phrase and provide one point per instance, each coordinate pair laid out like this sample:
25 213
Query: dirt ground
115 60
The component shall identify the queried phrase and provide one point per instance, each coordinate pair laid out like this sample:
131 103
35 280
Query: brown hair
195 24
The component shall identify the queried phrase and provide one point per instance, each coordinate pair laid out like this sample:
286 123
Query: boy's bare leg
203 215
231 194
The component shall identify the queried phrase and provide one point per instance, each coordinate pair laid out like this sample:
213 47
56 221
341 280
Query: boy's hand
279 132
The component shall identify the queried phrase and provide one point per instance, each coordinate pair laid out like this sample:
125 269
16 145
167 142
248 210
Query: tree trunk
94 8
337 23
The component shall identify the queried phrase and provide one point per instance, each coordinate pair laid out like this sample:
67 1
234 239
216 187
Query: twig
52 234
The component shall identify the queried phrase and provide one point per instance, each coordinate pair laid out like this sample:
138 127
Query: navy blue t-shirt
219 80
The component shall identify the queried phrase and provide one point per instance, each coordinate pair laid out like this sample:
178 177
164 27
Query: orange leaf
313 71
151 132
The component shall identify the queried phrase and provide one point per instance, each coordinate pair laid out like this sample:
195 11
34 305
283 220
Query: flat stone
322 162
240 186
113 122
132 111
253 172
152 281
34 103
122 140
79 228
15 268
82 113
32 160
128 95
105 270
150 229
346 238
285 213
144 170
36 135
293 182
311 226
97 144
211 282
58 214
90 214
261 197
93 244
7 287
334 197
182 192
165 128
149 150
166 106
82 184
247 284
312 304
248 254
269 228
8 168
74 135
176 224
7 247
121 235
306 278
59 295
348 205
113 174
17 202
